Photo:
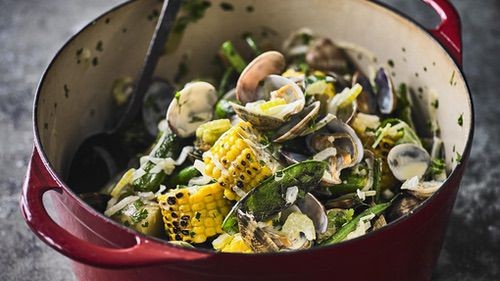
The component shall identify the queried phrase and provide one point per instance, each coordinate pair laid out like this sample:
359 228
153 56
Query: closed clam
386 95
191 107
324 55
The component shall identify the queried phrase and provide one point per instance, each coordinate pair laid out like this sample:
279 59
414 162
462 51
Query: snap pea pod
167 146
232 56
342 233
269 197
183 176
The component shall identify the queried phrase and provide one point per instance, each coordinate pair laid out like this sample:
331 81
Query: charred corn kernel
231 244
211 131
194 214
234 164
272 103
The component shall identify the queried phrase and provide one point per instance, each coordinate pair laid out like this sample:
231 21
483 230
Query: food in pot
296 149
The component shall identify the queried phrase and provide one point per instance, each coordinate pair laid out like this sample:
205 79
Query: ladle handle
449 31
141 253
166 20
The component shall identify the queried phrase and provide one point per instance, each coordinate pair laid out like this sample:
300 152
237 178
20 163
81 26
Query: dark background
32 31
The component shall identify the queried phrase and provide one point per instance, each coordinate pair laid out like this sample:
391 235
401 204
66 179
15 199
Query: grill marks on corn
232 162
194 214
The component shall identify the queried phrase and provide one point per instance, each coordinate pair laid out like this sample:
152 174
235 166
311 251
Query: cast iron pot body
73 101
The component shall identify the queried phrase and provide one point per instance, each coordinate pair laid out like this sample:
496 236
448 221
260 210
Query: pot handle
448 32
143 253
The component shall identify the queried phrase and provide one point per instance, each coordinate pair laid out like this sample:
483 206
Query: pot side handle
448 32
33 210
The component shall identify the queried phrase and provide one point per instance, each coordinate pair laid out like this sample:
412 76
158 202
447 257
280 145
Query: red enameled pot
72 102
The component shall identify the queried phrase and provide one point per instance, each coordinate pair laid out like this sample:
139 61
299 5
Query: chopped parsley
460 120
139 216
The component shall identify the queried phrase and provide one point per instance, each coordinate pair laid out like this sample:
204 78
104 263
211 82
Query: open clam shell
407 161
267 63
298 123
274 87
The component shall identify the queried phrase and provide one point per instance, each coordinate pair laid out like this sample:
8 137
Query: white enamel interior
418 60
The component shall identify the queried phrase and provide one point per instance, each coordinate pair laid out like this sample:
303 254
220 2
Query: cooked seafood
300 150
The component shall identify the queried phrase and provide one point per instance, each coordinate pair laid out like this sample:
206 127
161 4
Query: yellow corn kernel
209 132
234 164
194 214
231 244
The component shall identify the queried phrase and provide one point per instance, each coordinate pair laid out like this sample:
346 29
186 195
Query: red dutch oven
72 102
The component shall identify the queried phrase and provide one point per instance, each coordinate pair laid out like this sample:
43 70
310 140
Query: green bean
183 176
342 233
233 57
168 147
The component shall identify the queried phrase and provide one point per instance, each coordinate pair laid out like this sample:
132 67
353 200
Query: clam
350 200
156 100
324 55
367 101
265 115
344 104
386 95
291 158
402 206
341 147
298 123
311 207
359 177
337 126
267 63
421 189
379 223
407 161
297 43
338 149
261 238
191 107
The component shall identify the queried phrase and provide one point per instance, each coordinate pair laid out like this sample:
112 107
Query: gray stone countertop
32 31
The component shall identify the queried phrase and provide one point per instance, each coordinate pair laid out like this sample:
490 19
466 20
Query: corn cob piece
236 163
231 244
194 214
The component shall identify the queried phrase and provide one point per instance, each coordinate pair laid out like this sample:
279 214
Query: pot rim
455 173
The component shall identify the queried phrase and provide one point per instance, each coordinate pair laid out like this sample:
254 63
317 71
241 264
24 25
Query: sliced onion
160 191
146 195
183 155
199 180
120 205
